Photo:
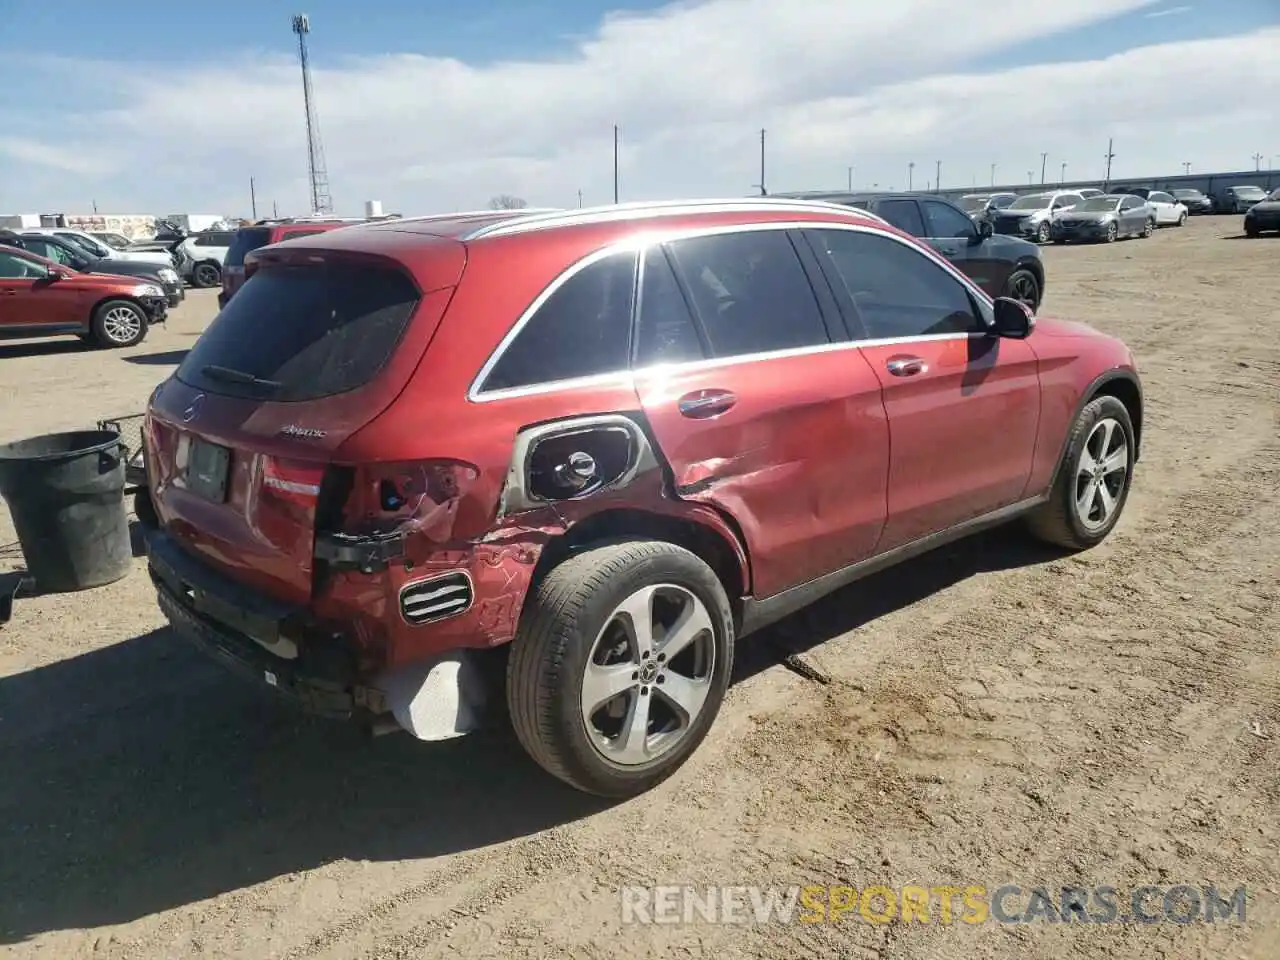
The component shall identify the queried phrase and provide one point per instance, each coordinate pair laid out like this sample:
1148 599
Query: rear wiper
230 375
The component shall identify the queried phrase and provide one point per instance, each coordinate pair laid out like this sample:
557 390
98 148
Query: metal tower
321 202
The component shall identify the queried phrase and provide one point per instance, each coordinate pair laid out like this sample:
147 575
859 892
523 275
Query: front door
760 405
956 237
31 304
963 406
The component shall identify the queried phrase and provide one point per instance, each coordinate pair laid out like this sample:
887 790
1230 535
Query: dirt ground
995 714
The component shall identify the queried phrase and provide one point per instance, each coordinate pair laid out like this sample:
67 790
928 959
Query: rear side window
665 329
582 330
213 240
751 292
245 240
903 214
303 332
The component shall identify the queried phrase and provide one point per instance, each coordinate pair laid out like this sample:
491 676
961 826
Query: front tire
1182 219
119 323
1023 286
1113 231
1093 479
1042 233
620 664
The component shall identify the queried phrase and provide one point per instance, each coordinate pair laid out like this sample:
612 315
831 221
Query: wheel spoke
1116 461
1085 501
1106 428
1106 501
632 743
602 683
685 694
1087 462
694 621
636 615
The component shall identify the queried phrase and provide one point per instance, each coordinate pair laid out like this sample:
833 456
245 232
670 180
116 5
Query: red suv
262 233
594 448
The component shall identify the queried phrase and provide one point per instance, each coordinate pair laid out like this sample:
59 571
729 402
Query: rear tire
577 631
144 509
205 275
1023 286
119 323
1093 479
1252 231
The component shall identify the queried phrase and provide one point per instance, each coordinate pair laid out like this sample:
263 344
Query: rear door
963 407
1133 215
760 406
304 355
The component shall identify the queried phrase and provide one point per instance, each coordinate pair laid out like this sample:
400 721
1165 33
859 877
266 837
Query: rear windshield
245 240
302 332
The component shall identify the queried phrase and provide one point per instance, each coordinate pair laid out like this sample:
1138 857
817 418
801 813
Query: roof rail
466 214
654 208
271 220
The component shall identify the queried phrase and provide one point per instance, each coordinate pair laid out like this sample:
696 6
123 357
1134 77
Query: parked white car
203 256
1169 212
102 251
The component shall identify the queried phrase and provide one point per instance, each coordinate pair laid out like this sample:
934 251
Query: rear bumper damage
437 698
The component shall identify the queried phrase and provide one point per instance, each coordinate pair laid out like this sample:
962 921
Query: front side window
1132 203
946 222
898 291
582 330
16 267
750 292
903 214
1160 198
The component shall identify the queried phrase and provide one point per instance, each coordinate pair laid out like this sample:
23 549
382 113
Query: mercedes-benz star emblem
193 409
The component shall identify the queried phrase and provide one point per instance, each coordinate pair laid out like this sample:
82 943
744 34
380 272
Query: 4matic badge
302 433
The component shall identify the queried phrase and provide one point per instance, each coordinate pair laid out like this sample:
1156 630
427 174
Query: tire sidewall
1042 233
1112 232
584 762
1095 410
99 324
196 278
1030 276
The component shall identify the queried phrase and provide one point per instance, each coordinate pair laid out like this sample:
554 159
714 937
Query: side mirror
1014 319
985 230
56 274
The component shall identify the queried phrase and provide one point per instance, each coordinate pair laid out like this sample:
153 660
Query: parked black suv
1003 266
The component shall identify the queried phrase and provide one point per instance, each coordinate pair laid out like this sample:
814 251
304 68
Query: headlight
147 290
168 276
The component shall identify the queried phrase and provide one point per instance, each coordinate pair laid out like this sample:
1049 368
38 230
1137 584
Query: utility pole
321 202
911 175
579 199
1062 176
1044 158
937 175
1186 167
763 191
1106 183
615 163
1257 161
1031 177
993 174
851 179
253 199
275 210
95 206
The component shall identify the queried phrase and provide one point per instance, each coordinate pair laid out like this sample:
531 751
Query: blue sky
440 106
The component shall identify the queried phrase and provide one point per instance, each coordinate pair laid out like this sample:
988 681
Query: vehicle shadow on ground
166 358
890 590
42 348
143 776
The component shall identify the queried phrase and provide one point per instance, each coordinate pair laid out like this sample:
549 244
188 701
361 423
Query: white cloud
1167 12
835 83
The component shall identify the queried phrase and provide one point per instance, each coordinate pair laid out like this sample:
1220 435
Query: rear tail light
292 481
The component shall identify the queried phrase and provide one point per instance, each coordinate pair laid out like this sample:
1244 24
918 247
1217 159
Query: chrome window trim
638 244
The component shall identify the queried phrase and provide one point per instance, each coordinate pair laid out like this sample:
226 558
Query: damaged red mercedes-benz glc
592 449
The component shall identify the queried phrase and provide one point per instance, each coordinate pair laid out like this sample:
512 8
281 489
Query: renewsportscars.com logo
942 904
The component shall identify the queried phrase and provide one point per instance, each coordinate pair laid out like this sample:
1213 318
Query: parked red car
264 232
605 444
40 298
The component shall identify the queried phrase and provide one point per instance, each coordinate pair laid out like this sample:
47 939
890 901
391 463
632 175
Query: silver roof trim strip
657 208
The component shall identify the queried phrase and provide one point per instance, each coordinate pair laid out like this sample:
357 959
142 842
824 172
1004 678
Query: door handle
702 404
907 366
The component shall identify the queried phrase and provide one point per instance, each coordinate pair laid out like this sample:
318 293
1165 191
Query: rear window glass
303 332
290 234
245 240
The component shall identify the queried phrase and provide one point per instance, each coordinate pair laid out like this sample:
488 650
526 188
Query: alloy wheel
1112 232
1024 289
1042 234
206 276
1101 474
648 674
121 324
